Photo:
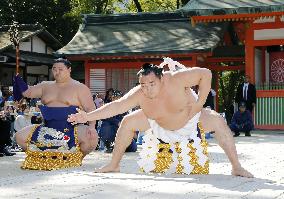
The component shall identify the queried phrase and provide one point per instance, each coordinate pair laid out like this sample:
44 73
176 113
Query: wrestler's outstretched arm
21 89
34 91
127 102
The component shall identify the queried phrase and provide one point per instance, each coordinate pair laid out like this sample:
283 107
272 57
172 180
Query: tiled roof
26 31
144 33
218 7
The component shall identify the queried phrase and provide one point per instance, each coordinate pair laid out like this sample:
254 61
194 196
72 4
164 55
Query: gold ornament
164 157
52 160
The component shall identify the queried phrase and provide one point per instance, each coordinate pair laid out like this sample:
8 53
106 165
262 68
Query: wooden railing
269 111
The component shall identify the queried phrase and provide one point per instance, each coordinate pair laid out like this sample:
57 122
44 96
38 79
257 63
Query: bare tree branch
138 5
183 2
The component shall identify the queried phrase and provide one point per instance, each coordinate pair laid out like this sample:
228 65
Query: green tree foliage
151 5
154 5
138 5
49 13
63 17
184 2
92 6
228 84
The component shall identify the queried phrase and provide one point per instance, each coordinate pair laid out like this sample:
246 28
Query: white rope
171 64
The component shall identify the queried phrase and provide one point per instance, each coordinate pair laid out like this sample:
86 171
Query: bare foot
241 172
108 169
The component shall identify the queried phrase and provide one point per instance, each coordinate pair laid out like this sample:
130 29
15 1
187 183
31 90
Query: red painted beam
224 59
224 68
234 17
270 42
270 127
270 93
268 25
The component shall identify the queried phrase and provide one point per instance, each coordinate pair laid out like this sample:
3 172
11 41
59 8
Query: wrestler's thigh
211 120
23 135
135 121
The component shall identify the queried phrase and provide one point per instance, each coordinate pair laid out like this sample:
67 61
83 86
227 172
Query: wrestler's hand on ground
109 168
241 172
80 117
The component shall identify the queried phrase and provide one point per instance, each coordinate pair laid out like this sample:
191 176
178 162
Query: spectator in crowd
5 95
10 96
109 128
23 119
11 114
36 115
98 103
36 118
108 96
34 101
242 121
98 100
5 135
210 100
210 97
246 92
1 96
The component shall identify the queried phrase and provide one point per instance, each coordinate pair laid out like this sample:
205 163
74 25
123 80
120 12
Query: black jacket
251 94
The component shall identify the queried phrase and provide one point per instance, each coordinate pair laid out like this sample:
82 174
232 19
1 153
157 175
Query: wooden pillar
194 60
17 58
263 77
217 90
87 73
250 54
250 62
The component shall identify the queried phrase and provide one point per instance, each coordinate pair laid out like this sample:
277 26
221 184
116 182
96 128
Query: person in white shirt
23 119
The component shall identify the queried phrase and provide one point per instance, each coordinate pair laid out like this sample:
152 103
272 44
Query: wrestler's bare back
172 109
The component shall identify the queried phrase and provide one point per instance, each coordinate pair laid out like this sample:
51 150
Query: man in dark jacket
5 140
210 100
242 121
246 93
